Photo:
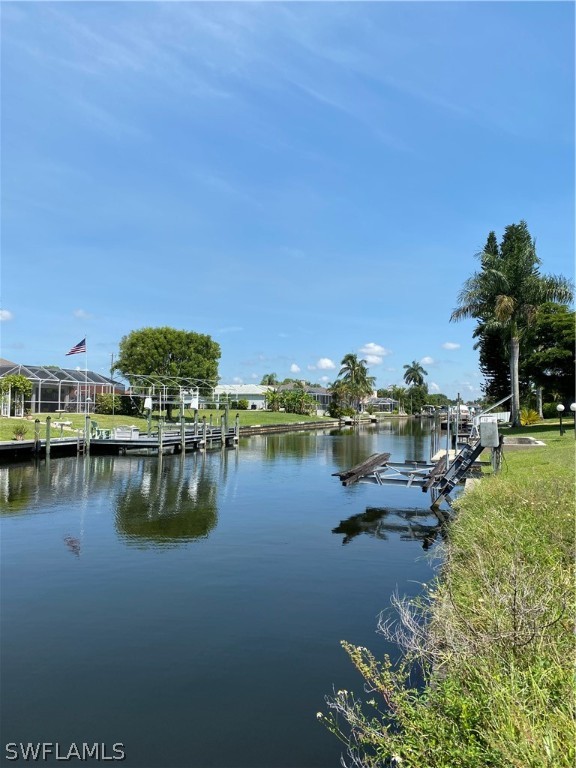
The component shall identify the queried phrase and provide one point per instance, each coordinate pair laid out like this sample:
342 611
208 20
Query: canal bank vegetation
492 640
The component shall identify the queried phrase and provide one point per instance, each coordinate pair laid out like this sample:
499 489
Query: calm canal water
192 609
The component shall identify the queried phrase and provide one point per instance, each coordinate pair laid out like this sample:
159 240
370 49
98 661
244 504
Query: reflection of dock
379 522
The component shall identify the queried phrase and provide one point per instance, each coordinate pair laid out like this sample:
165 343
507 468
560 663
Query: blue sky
298 180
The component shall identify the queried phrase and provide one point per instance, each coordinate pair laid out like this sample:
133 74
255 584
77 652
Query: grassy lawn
554 459
247 418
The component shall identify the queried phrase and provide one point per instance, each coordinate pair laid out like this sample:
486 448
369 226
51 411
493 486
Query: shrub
19 431
243 405
107 403
549 410
529 416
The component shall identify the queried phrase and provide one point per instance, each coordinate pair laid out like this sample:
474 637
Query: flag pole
86 373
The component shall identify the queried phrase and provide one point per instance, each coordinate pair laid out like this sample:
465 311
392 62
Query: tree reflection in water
378 522
169 502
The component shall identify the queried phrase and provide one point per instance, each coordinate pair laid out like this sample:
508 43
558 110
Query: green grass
247 418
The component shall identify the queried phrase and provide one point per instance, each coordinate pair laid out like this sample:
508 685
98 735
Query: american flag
77 348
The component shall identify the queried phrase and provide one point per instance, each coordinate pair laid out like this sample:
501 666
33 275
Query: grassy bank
247 418
497 647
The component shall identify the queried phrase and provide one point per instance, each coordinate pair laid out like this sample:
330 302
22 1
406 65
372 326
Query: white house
255 394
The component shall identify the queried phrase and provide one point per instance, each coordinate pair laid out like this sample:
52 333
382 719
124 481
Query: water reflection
173 500
74 544
16 490
296 445
169 501
405 439
378 522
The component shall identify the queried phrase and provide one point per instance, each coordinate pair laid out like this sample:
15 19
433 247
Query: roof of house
55 374
307 388
242 389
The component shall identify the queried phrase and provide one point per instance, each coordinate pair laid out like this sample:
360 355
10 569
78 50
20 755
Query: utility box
489 437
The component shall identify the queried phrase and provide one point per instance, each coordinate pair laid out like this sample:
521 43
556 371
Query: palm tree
355 376
399 394
506 293
269 379
414 374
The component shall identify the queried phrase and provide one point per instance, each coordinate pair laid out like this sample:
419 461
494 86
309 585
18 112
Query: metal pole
112 384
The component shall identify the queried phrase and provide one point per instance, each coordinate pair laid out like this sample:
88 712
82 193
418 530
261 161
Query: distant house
322 395
381 404
255 394
55 389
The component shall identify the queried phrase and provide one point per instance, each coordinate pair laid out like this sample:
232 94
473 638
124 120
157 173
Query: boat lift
440 477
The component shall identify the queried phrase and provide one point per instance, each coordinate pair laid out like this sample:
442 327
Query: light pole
573 409
560 409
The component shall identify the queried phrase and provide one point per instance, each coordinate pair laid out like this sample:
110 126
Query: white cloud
230 329
5 314
374 353
81 314
237 380
427 360
324 379
325 364
254 376
374 349
450 345
294 368
433 387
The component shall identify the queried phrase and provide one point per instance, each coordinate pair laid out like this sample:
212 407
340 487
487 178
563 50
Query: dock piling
37 443
48 423
182 431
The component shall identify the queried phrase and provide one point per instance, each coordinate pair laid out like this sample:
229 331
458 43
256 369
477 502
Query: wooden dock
127 440
169 441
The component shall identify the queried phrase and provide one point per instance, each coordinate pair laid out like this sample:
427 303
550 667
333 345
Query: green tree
491 345
549 360
168 354
269 379
19 386
506 293
414 373
341 399
273 400
417 397
354 374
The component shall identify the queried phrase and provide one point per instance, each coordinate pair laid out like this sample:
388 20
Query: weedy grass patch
493 639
